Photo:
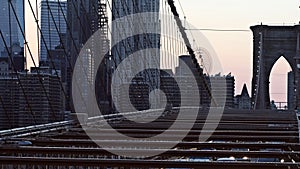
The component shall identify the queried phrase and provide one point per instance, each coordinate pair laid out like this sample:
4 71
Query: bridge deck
257 135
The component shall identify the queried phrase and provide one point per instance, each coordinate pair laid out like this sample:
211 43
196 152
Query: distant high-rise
149 23
16 64
222 88
85 17
25 100
243 101
9 26
138 42
185 72
53 25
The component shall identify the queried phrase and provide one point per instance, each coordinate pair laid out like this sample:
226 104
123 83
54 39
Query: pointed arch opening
279 84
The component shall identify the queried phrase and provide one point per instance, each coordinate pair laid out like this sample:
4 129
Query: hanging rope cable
61 40
47 48
32 58
188 28
7 114
140 26
86 16
76 47
188 46
129 45
18 78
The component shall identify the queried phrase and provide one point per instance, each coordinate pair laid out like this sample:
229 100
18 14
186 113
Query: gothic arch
271 43
276 59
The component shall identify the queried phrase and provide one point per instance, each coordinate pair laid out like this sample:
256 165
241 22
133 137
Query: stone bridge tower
271 43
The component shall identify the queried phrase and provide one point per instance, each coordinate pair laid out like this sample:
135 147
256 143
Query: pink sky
235 48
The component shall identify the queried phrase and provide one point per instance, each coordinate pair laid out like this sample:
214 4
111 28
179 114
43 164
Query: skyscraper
85 17
53 25
147 23
138 43
9 26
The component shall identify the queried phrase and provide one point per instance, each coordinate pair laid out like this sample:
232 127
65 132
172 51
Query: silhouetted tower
84 19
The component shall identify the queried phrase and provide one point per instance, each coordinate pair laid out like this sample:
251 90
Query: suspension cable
189 48
38 72
18 77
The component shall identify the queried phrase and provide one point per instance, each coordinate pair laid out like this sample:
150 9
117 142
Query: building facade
9 98
9 26
42 101
53 25
185 78
14 56
143 34
149 23
30 98
170 88
84 19
223 88
243 101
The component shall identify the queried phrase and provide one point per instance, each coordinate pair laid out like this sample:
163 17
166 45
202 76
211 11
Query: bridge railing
35 129
44 128
56 126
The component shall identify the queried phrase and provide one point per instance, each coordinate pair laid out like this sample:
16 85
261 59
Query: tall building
137 42
84 19
9 27
138 96
53 25
243 101
291 95
170 88
147 23
9 97
223 88
185 79
29 98
17 62
43 102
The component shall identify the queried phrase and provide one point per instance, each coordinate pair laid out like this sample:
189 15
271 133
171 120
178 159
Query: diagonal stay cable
29 50
72 38
6 112
18 77
188 46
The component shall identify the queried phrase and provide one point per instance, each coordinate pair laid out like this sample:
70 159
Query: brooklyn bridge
129 84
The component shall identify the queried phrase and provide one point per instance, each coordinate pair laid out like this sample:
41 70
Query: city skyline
234 14
128 84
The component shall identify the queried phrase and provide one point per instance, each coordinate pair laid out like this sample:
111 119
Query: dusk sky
233 48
